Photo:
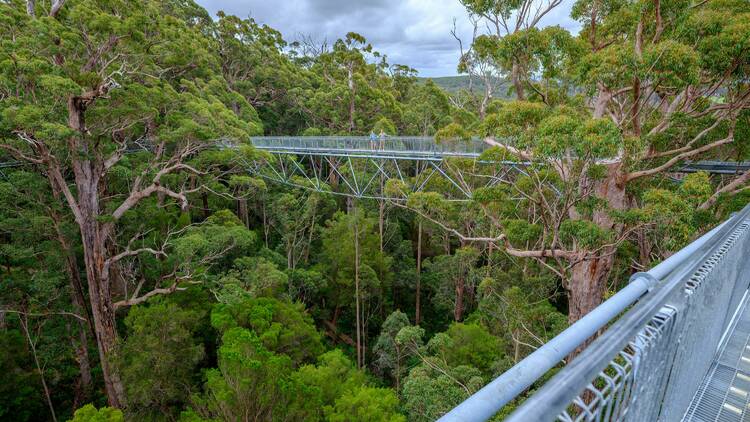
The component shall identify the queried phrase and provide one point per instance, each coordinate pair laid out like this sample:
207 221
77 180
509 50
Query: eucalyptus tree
79 84
504 18
352 261
426 111
664 83
351 90
254 63
390 354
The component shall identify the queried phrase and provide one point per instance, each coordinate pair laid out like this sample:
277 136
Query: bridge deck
724 394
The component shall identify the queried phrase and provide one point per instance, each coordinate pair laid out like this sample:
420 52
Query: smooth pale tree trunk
25 326
356 292
310 237
417 305
381 221
266 227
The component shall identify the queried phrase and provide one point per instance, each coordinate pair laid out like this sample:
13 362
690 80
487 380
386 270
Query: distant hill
456 83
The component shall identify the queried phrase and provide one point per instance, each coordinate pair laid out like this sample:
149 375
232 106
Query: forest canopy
147 274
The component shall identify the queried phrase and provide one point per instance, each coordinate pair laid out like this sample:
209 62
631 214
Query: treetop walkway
422 148
359 165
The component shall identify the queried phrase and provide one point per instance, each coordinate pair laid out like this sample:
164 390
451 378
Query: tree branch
676 159
690 144
56 6
155 292
731 188
513 150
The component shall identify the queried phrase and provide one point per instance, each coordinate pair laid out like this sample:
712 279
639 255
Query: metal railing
410 145
649 362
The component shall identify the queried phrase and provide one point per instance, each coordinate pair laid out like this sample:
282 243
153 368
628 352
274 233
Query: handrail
491 398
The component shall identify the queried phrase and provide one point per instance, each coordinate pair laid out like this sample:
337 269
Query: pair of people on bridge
377 142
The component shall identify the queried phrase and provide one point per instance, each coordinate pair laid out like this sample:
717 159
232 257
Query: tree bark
206 210
588 281
458 311
242 210
88 177
80 346
515 75
101 305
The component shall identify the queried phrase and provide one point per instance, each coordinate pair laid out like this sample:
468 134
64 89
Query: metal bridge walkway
724 394
675 347
359 165
422 148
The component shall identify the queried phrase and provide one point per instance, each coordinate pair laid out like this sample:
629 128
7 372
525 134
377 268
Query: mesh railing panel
363 144
654 375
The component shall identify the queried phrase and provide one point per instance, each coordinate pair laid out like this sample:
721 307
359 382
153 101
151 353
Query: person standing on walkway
382 139
373 141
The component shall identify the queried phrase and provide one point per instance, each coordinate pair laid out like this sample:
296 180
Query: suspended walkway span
358 166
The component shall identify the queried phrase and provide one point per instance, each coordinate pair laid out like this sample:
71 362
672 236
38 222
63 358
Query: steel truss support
364 176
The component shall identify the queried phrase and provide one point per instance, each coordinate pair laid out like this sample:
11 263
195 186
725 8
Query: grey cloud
411 32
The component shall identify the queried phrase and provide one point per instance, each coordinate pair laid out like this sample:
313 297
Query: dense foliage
146 275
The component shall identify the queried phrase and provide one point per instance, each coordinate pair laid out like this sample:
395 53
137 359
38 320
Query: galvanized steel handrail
490 399
363 144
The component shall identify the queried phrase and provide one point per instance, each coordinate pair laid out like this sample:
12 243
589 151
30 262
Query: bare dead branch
731 188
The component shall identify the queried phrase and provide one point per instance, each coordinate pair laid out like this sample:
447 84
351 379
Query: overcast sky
411 32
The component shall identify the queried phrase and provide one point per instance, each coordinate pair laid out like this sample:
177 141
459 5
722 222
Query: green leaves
452 132
157 361
367 404
282 327
672 64
89 413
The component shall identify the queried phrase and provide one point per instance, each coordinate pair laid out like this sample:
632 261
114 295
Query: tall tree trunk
88 177
310 237
204 201
458 311
25 325
588 281
102 310
350 77
515 75
244 215
266 227
80 346
381 222
356 292
417 305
